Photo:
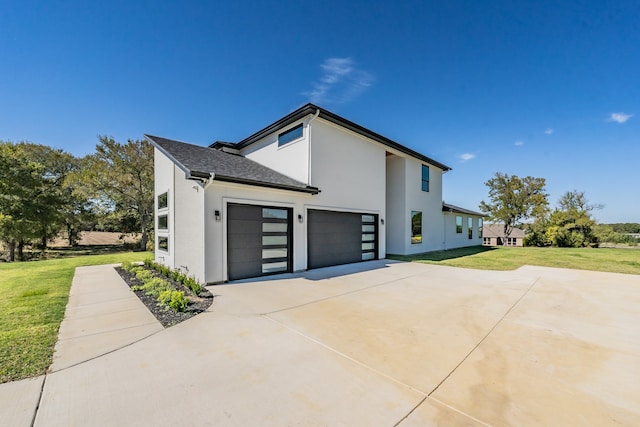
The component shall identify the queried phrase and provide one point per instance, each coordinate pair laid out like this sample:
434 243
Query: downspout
315 116
207 182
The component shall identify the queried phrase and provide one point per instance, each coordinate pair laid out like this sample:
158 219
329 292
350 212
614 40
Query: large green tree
32 193
512 200
571 224
121 178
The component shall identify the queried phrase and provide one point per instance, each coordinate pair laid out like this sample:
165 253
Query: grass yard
32 303
505 258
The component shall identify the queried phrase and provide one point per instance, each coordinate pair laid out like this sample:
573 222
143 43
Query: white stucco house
310 190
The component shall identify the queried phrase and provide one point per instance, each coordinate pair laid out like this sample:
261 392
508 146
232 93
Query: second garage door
340 238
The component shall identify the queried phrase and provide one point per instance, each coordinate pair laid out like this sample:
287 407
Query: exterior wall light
382 221
216 213
299 217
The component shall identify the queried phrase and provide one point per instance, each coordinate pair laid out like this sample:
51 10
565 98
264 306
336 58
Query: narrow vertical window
458 224
470 227
163 201
163 222
425 178
416 227
163 244
480 224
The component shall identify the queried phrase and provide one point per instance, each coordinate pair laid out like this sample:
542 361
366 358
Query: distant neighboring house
493 235
310 190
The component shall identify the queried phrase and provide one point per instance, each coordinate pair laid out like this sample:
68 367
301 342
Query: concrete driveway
374 344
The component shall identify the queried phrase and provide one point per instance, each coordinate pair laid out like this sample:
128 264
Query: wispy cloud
341 82
549 131
619 117
518 143
467 156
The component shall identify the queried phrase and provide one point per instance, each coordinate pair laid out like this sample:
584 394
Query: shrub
175 300
127 265
144 275
148 262
154 287
193 285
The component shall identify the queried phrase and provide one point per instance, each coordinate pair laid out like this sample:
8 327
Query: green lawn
505 258
32 303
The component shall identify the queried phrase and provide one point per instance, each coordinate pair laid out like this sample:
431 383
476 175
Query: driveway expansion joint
356 361
486 336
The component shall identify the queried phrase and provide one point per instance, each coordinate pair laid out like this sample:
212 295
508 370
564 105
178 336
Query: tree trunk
12 250
21 250
143 240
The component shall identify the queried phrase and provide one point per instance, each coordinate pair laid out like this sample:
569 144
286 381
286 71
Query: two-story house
311 190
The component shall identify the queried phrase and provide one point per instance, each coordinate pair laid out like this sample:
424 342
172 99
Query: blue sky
548 89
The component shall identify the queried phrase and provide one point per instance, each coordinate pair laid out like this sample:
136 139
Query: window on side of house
470 227
163 200
480 225
416 227
163 222
458 224
425 178
486 240
290 135
163 243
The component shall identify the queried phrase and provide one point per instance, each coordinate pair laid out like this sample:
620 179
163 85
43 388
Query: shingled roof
497 230
204 163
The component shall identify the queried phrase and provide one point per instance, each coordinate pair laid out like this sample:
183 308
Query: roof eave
307 189
309 109
167 154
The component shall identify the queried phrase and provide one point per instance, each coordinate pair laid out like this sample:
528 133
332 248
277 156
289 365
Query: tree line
524 202
46 192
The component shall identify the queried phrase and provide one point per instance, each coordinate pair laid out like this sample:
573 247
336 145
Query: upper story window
425 178
290 135
163 201
470 227
459 224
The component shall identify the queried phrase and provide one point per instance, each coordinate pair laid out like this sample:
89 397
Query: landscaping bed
176 303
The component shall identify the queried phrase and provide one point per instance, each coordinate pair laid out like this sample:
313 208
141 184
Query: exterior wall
163 182
430 203
397 228
219 194
460 240
189 228
291 159
350 172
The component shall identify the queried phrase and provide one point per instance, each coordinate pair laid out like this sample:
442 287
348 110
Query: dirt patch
166 316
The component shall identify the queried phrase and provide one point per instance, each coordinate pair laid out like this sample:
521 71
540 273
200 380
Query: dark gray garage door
340 238
258 240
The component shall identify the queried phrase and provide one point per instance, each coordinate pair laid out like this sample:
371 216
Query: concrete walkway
378 343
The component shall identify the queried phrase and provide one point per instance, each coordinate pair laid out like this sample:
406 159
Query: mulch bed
166 316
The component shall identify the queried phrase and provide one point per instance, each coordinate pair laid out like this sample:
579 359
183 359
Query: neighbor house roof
497 230
334 118
204 163
456 209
